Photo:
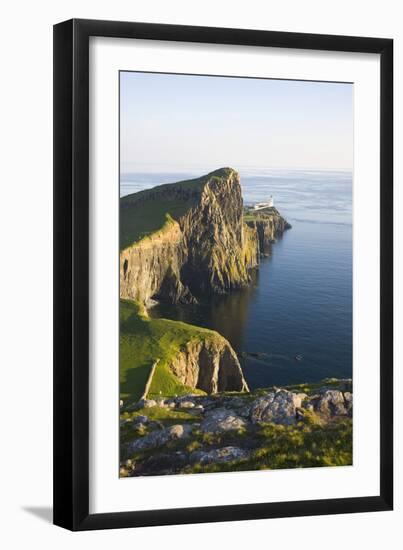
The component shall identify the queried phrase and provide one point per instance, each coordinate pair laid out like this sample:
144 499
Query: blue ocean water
300 301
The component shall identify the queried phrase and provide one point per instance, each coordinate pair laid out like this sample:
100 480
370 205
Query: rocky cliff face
208 249
152 267
210 365
268 225
204 247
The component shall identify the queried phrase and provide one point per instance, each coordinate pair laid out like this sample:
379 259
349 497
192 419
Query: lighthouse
268 204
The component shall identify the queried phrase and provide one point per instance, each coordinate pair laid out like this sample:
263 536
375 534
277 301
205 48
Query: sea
293 324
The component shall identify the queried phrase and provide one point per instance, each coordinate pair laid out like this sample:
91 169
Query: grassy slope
142 341
139 220
134 227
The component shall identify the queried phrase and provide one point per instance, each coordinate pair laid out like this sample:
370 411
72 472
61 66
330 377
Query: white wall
25 289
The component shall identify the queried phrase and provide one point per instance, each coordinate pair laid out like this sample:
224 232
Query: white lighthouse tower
268 204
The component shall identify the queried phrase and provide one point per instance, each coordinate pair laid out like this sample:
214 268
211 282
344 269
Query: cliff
210 365
268 225
188 357
184 240
180 242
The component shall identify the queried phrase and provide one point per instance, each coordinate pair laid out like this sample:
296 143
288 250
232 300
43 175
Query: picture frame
72 431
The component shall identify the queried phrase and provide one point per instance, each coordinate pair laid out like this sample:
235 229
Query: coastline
210 247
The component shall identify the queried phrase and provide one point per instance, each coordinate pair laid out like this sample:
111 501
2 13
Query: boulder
145 404
225 454
141 419
331 403
161 437
222 420
279 407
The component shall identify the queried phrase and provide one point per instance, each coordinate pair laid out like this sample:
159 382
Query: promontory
180 243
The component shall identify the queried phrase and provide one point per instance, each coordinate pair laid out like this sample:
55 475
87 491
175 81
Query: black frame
71 274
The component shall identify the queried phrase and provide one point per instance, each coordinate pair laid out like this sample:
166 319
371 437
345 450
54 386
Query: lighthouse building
261 205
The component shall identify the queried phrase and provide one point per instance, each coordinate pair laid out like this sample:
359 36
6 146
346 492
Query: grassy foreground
307 444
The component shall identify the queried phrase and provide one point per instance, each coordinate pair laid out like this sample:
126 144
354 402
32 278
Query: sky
186 122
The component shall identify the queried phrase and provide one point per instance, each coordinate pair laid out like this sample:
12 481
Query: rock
348 402
268 227
308 405
210 365
330 403
279 407
222 420
130 464
244 412
178 431
186 405
225 454
140 419
147 403
161 437
170 402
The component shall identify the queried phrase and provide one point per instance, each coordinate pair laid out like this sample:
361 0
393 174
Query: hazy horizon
196 124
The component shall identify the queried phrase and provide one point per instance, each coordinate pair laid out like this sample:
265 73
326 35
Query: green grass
310 443
144 340
306 445
145 212
163 416
143 220
255 215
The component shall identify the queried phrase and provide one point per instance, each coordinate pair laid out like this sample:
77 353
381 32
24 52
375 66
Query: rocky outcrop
280 407
158 438
207 249
222 420
220 250
268 225
273 427
210 365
